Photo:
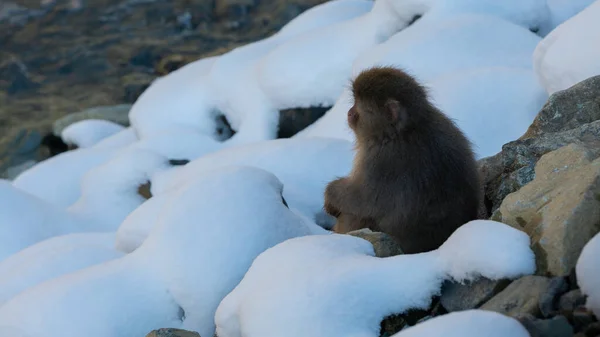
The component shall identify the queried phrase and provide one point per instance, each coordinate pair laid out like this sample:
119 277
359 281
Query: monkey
414 174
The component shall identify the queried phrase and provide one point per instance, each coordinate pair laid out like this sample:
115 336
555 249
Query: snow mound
563 10
195 95
327 54
492 106
580 36
588 273
57 180
52 258
89 132
118 140
531 14
333 285
205 240
467 323
109 194
305 166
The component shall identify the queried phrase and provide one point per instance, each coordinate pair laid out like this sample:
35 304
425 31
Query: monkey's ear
395 111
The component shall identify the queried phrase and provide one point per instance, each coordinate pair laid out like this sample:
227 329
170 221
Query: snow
562 10
467 323
88 132
508 99
109 194
305 167
588 273
204 242
190 96
58 180
570 53
54 257
484 57
326 285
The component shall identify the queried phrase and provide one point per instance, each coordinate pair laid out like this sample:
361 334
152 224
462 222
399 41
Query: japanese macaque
414 175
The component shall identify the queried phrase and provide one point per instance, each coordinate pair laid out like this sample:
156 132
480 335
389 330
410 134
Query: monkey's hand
332 193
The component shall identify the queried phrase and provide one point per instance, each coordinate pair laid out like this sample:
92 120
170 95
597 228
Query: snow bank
486 60
570 53
492 106
305 166
588 273
467 323
89 132
109 194
195 95
333 285
205 240
119 140
52 258
57 180
563 10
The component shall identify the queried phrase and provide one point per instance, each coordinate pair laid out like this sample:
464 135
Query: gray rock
571 300
172 333
470 295
514 167
568 109
383 244
22 146
559 209
115 113
582 318
549 300
292 121
520 297
555 327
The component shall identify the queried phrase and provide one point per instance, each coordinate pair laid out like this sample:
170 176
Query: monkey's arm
342 196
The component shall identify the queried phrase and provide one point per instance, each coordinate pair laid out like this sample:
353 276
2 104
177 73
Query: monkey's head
387 102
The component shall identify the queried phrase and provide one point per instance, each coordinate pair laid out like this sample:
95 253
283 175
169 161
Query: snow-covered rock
109 194
205 240
588 274
333 285
570 53
52 258
89 132
467 323
305 167
193 96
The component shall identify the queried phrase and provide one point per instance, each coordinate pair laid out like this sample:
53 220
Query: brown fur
414 176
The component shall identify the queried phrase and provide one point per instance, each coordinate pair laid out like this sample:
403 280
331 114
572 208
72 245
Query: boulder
555 327
383 244
559 209
172 333
470 295
521 297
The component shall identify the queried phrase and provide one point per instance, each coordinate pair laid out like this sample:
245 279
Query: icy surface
52 258
570 53
89 132
326 285
466 324
588 274
562 10
305 166
204 242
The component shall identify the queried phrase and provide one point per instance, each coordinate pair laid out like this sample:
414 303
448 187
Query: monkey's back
434 187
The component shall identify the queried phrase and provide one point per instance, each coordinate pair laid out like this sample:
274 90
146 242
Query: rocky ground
55 61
